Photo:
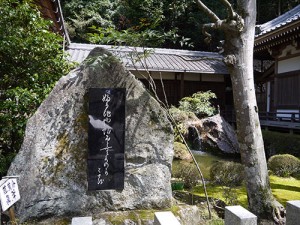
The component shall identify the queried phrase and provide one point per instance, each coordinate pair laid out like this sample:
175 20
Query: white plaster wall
288 65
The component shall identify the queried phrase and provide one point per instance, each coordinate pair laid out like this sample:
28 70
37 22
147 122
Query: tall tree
31 61
238 28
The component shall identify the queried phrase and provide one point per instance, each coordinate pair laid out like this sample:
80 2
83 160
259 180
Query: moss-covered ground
283 189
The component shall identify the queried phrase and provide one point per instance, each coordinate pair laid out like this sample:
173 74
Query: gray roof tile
168 60
279 22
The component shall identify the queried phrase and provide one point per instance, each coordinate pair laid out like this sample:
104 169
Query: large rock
219 134
52 163
213 134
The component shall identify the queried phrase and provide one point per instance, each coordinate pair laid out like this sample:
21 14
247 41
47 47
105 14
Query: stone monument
52 162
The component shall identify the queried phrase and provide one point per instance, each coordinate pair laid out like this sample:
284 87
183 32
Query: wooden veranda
279 121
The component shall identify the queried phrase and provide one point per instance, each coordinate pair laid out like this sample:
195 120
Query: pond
205 161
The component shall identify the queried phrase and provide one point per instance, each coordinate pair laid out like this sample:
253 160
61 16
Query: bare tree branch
207 26
210 13
230 9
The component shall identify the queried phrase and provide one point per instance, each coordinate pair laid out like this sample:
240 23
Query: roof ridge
287 17
142 49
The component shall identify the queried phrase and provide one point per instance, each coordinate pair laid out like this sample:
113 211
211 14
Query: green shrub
181 116
5 161
199 103
227 173
281 143
284 165
188 173
181 152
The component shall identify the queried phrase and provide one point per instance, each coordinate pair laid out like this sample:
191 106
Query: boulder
211 134
52 162
218 134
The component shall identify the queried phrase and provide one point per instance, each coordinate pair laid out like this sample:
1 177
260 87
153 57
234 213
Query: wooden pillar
176 94
182 85
276 85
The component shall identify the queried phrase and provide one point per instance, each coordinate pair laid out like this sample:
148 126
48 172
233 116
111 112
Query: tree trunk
239 59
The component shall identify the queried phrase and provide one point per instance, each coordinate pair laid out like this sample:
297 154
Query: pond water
205 161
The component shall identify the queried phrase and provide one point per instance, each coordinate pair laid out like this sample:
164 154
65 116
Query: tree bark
239 60
239 30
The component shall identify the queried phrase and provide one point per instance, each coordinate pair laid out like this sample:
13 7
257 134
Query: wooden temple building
277 67
277 52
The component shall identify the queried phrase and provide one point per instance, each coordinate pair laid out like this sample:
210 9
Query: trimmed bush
188 174
227 173
281 143
284 165
181 152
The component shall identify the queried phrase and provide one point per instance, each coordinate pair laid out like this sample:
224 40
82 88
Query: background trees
31 60
268 10
179 20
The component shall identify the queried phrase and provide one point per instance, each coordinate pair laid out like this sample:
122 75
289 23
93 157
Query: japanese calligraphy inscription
106 138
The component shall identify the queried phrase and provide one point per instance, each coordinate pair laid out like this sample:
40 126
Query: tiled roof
279 22
157 59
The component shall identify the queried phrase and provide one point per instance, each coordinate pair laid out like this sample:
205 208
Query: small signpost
106 138
9 195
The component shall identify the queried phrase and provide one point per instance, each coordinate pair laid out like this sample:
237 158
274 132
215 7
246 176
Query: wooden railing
280 116
288 120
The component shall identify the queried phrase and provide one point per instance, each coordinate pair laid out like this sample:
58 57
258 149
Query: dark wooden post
182 86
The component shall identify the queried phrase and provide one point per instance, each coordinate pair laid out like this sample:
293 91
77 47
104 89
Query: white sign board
9 192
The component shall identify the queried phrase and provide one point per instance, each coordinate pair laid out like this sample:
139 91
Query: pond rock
219 135
212 134
52 162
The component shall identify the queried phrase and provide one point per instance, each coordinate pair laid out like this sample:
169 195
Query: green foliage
182 17
5 161
160 21
281 143
199 103
31 60
229 174
137 36
284 165
181 151
268 10
230 195
83 14
188 174
180 117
